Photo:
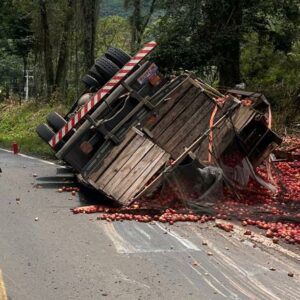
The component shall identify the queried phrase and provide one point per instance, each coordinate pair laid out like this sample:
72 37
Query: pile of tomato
290 144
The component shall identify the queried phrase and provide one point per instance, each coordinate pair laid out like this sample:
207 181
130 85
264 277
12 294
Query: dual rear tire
101 72
105 68
47 131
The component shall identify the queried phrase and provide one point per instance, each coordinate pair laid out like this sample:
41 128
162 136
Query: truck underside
149 124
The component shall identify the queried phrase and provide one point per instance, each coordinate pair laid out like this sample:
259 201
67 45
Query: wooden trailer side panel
154 161
179 92
110 158
174 111
194 127
127 169
183 121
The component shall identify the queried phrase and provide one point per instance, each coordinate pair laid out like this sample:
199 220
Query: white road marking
208 282
33 158
186 243
252 282
143 232
125 246
211 276
121 245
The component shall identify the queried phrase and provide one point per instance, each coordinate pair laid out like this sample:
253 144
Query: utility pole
26 89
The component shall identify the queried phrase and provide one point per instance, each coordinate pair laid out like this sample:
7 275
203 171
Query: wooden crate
128 167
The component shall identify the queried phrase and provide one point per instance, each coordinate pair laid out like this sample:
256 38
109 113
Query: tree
16 39
138 20
48 36
112 31
61 69
199 33
223 28
90 14
47 48
274 73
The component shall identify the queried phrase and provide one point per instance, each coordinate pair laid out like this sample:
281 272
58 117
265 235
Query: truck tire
56 121
45 132
90 81
94 73
118 56
106 67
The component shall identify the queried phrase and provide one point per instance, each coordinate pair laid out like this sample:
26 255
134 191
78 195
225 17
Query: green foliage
15 32
18 124
112 31
15 44
194 34
70 98
274 73
11 71
276 21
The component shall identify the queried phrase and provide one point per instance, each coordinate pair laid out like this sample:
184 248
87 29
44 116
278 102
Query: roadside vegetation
18 123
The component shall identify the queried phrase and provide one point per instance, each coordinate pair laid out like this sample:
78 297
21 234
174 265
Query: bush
275 74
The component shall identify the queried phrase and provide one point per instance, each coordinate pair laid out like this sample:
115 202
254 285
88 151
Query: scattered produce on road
278 215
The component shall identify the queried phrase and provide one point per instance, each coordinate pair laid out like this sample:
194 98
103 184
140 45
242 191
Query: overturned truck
132 124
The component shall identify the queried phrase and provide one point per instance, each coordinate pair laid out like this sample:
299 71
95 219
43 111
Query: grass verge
18 123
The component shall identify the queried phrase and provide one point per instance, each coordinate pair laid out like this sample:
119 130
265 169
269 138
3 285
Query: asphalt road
66 256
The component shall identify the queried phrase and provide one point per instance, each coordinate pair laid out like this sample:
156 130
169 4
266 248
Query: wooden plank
173 98
103 165
224 108
181 120
202 152
242 116
122 172
120 161
191 130
148 173
222 137
220 143
134 177
175 111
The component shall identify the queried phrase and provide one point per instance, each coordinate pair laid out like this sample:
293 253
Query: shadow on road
87 195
